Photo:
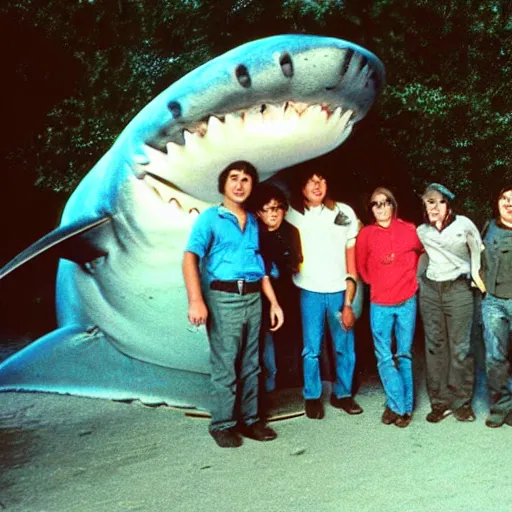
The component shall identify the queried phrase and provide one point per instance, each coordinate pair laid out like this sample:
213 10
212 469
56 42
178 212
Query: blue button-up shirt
228 253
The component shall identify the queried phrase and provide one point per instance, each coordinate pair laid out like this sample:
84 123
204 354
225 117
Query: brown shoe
403 420
438 413
226 438
495 420
465 413
315 409
347 404
389 417
258 431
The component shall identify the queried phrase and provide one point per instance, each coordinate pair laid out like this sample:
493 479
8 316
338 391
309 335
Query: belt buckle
240 285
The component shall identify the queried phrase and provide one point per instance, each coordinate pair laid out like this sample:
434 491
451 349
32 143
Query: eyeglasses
272 209
377 204
506 198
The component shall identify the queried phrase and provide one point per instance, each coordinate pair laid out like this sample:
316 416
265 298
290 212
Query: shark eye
243 77
175 109
286 65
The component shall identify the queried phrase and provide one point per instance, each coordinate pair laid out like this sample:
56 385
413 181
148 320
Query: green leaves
446 111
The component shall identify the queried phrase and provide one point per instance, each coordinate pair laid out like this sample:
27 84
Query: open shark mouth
270 136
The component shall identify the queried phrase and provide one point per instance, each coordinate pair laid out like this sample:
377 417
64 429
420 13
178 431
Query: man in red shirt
387 255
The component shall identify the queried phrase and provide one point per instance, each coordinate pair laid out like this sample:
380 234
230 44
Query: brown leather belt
240 286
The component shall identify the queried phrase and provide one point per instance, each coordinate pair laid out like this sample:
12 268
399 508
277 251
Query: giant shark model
121 303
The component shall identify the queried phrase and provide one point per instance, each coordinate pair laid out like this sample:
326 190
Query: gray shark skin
121 302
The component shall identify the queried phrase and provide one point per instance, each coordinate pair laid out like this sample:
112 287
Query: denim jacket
497 260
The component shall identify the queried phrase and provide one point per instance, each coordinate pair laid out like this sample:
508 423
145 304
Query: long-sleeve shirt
387 259
452 252
497 260
281 250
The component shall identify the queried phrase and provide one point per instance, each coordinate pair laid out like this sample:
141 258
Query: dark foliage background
75 72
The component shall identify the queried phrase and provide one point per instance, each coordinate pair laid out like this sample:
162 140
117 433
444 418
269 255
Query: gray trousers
233 331
497 322
446 309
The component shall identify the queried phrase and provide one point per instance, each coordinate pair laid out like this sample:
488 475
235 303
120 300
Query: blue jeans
395 370
497 322
269 362
315 307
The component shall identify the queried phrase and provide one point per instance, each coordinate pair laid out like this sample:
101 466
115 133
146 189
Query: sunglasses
377 204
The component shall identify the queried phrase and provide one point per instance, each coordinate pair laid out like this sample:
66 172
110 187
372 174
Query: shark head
274 102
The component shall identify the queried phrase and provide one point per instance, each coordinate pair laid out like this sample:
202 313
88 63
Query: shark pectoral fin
73 242
80 361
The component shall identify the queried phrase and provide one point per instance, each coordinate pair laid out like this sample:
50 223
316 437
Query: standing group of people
316 245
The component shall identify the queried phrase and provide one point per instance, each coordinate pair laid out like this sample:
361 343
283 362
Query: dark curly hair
265 193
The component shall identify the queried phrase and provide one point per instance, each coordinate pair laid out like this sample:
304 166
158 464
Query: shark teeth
270 136
235 122
178 201
217 126
273 112
215 129
344 119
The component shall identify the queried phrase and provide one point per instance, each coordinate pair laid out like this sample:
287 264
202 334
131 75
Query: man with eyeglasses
282 253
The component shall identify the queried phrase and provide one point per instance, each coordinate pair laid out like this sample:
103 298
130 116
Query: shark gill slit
346 62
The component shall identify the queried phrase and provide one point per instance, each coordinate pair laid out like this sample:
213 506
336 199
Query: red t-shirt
387 259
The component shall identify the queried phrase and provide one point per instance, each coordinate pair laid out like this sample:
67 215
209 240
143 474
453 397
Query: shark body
121 303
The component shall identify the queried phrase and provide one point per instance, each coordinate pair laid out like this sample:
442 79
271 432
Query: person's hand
348 319
276 317
197 313
477 282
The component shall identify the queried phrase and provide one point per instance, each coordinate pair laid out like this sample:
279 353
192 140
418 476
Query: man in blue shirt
224 241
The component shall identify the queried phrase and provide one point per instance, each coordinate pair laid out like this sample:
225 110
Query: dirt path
61 453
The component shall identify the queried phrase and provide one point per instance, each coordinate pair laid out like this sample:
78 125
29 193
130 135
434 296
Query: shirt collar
228 214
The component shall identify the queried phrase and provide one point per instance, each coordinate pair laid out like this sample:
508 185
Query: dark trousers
233 332
446 309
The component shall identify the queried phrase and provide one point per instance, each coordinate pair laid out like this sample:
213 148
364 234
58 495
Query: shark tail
75 361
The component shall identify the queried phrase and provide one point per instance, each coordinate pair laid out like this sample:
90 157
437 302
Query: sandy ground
62 453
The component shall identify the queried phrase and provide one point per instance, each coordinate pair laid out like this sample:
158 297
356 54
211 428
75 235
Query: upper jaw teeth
265 112
269 136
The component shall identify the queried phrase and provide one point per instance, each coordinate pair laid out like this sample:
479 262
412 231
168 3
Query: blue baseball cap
442 190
